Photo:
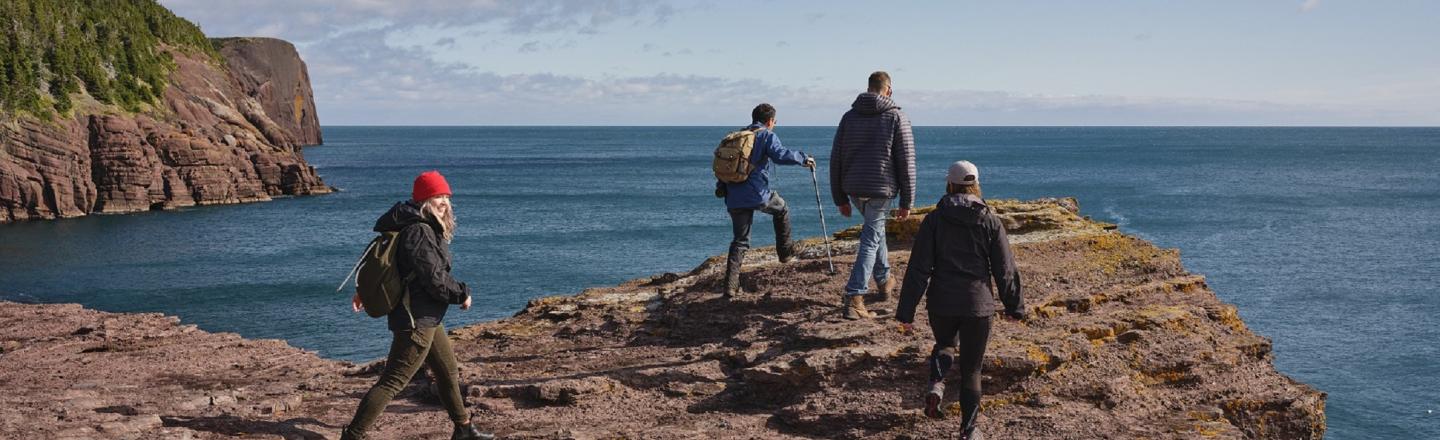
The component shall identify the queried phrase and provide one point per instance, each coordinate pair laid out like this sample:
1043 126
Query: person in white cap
960 249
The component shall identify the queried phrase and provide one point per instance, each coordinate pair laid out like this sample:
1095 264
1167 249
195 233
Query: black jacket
424 259
960 248
873 154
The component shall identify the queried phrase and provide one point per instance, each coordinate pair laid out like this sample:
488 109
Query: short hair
762 113
879 81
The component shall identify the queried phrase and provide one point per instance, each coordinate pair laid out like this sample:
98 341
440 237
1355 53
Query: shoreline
1120 334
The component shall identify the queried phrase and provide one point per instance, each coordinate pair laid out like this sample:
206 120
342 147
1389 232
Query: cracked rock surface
1122 342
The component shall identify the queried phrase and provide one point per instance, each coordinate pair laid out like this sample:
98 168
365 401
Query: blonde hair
442 213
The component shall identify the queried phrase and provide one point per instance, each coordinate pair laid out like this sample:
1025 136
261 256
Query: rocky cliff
1122 343
222 132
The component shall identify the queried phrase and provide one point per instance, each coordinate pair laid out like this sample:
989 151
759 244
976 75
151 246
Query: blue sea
1328 239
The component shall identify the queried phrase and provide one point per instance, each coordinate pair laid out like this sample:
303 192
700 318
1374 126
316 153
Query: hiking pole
823 230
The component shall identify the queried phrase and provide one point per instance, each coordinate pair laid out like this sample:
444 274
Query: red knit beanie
429 184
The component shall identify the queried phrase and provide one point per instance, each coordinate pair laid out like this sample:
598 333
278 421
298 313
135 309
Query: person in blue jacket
754 194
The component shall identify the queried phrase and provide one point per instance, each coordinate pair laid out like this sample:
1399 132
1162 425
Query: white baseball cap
963 173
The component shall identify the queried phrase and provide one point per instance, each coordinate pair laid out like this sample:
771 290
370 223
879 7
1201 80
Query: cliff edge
216 125
1122 343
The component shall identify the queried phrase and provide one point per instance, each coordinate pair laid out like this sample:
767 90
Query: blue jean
873 259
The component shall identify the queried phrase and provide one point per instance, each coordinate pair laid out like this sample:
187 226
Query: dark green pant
411 349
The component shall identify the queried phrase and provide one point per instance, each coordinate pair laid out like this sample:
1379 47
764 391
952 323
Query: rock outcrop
223 133
271 72
1122 343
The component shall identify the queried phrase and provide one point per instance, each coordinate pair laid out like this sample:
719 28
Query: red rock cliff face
223 133
271 72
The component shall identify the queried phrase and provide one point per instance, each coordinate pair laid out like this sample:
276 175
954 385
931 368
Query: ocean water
1328 239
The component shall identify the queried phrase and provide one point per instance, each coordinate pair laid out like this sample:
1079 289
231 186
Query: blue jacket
755 190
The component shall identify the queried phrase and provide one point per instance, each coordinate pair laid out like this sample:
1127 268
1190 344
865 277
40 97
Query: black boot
468 432
732 272
732 284
347 435
784 247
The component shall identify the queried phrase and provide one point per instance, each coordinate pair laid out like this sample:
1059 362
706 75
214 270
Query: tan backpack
732 158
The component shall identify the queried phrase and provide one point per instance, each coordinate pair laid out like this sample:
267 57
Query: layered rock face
1122 343
223 134
270 71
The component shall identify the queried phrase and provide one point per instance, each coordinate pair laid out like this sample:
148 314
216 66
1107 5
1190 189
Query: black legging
967 336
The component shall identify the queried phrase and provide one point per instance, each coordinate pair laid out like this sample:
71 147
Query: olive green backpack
377 278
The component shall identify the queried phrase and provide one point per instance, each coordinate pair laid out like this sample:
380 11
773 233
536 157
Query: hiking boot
932 400
855 308
786 252
468 432
974 434
732 285
732 271
883 290
347 435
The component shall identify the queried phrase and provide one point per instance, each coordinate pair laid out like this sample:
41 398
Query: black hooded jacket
960 248
424 259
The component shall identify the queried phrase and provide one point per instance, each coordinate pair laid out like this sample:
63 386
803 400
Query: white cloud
360 78
309 20
405 86
1309 5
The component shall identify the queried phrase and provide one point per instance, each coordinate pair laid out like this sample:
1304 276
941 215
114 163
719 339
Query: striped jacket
874 153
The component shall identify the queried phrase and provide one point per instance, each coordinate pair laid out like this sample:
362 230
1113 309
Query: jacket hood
962 209
403 214
873 104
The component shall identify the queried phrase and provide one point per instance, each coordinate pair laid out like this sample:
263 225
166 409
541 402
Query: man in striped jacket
872 162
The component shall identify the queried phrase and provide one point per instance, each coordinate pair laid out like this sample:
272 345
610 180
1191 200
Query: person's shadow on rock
236 426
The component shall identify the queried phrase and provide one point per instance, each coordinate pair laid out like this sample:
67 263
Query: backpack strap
755 131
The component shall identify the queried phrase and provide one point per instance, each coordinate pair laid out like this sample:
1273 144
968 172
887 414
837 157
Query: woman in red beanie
426 224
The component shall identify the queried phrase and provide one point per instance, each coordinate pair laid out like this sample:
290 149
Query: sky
653 62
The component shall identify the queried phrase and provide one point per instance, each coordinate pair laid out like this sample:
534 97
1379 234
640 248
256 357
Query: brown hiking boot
730 292
855 308
787 252
883 291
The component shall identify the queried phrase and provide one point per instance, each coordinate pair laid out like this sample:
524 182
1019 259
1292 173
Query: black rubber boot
784 247
732 272
468 432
